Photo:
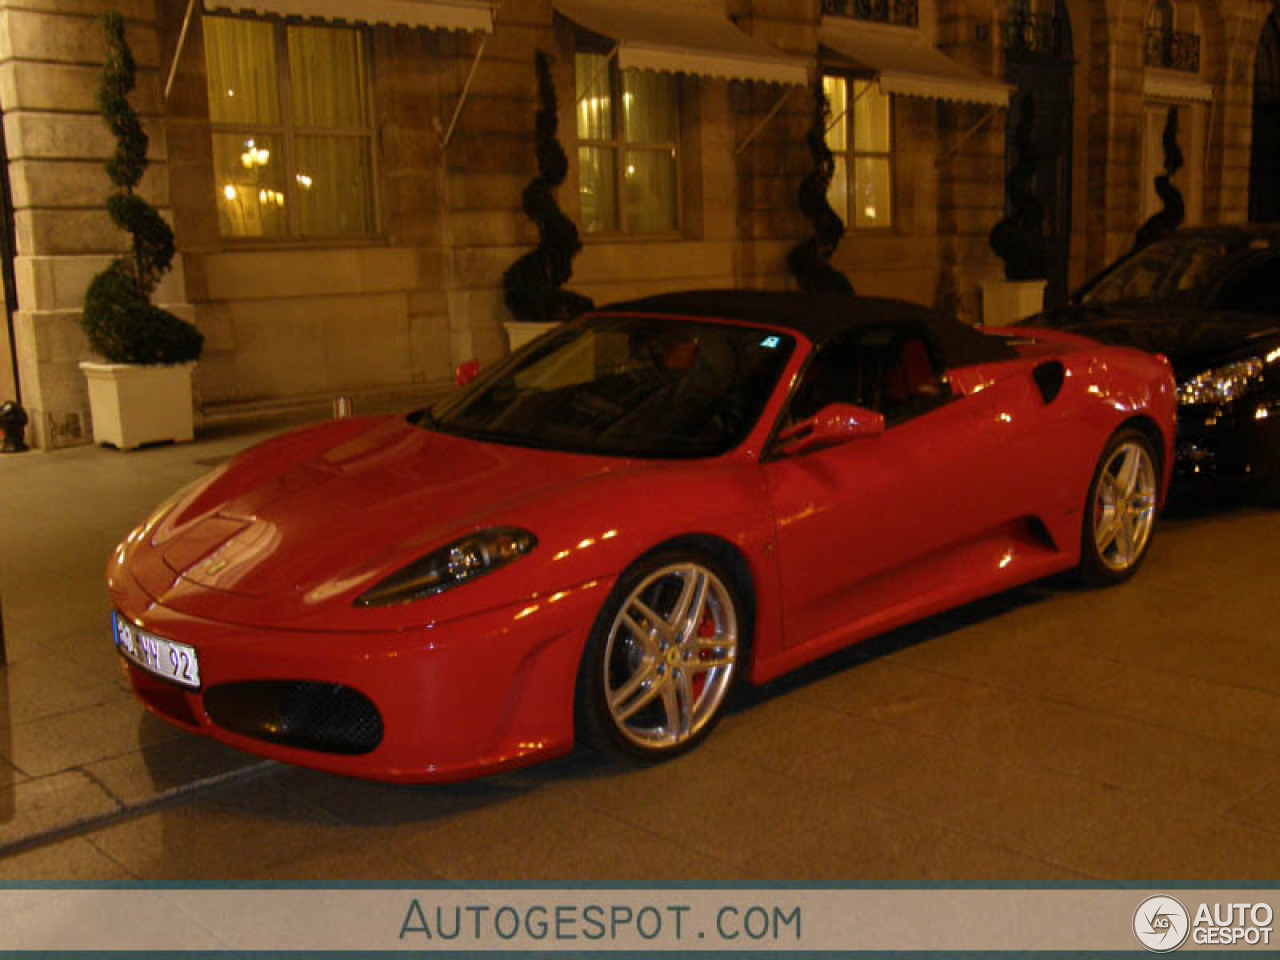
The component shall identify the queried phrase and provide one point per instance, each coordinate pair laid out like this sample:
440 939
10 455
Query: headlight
460 562
1221 385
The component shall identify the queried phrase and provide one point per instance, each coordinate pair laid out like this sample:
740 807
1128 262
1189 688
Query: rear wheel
1120 512
662 658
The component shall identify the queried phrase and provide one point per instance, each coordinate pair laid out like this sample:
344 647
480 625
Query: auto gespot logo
1162 924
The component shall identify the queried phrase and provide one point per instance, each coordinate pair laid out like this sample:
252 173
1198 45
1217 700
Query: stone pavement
74 745
1054 733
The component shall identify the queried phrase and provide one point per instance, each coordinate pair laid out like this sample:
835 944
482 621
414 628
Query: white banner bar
731 919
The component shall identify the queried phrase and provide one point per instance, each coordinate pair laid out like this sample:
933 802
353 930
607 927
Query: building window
1172 38
628 144
292 129
860 136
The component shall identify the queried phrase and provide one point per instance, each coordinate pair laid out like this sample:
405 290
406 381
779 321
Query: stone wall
290 324
51 52
768 170
303 323
970 164
1239 24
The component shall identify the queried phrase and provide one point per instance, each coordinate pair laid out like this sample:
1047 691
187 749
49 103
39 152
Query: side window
1254 290
891 369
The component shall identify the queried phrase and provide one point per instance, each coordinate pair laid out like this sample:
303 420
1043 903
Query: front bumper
451 701
1234 442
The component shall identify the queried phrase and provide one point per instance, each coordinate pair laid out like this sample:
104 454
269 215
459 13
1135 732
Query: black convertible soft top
821 316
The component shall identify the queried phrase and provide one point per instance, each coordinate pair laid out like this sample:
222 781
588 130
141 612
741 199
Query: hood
1194 339
328 512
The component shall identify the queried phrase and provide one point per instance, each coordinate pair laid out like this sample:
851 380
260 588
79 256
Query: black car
1209 300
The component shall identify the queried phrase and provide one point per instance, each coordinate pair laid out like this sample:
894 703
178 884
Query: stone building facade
425 131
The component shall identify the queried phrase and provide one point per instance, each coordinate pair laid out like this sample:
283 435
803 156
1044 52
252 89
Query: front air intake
325 717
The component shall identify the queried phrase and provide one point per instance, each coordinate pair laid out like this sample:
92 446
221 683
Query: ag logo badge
1161 923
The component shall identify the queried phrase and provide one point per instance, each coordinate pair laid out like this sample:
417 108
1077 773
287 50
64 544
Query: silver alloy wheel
1124 508
670 656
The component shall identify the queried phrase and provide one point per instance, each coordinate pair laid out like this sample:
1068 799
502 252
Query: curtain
240 59
333 179
327 74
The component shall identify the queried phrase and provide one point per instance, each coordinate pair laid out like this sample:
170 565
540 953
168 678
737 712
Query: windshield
1176 271
624 386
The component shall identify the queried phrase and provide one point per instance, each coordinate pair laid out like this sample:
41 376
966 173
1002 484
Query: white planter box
132 405
520 333
1005 302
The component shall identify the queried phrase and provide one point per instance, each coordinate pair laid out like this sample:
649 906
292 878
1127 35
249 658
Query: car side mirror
466 372
834 424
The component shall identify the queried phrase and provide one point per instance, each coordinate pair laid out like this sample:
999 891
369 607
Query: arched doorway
1038 60
1264 167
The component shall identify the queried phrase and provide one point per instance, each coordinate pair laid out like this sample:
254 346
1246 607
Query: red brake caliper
706 630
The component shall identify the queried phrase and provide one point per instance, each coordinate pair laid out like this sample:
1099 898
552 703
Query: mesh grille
324 717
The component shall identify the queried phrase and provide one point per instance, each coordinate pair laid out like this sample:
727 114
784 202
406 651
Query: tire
663 657
1120 512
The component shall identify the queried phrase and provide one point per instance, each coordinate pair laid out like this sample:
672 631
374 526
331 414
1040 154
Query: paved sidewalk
75 746
1053 733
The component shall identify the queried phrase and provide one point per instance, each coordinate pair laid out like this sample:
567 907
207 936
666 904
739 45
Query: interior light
254 156
229 192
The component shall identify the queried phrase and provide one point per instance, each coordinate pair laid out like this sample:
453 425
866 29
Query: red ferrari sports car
609 530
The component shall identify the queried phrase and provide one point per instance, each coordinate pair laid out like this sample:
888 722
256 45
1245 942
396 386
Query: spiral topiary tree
119 319
810 260
532 287
1173 210
1019 238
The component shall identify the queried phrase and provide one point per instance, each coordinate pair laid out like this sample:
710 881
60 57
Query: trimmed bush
810 260
119 319
532 287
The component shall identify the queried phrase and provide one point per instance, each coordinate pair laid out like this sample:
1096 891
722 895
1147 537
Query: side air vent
1048 377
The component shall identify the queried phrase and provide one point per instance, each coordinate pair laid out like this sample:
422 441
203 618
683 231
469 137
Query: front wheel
1120 513
662 657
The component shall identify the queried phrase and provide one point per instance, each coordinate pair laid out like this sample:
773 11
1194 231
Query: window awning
905 63
1164 85
692 36
433 14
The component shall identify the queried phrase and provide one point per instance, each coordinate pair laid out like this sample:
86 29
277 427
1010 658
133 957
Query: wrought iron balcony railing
1027 33
1172 50
899 13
